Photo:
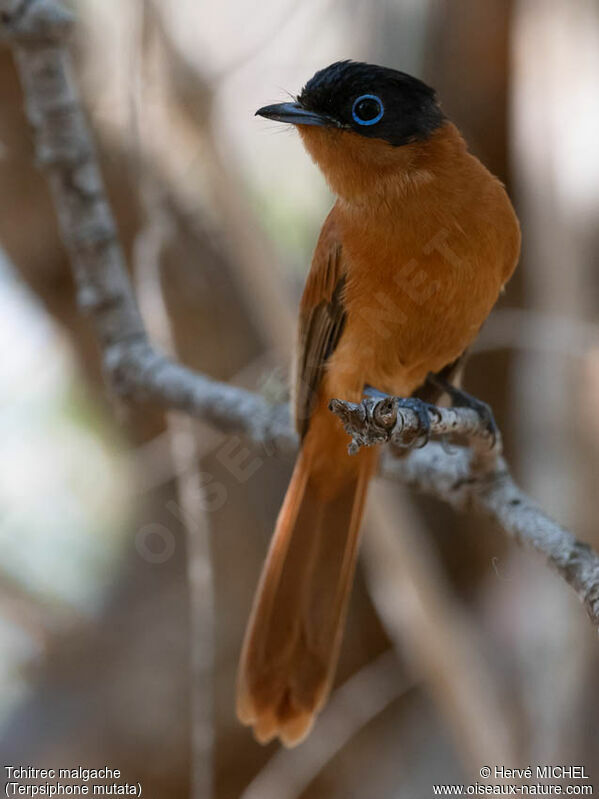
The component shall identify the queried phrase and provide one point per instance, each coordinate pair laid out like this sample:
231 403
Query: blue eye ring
375 119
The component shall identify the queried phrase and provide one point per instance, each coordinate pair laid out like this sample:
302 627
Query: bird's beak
294 114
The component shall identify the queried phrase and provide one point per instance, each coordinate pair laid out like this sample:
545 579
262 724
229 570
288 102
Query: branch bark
135 369
454 478
463 477
382 421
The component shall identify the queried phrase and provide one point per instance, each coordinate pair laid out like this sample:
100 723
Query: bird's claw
461 399
421 408
486 416
423 411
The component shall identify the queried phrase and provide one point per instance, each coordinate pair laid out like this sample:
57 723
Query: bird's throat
360 170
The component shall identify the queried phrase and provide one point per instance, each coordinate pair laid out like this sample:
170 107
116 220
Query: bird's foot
461 399
419 407
484 412
423 411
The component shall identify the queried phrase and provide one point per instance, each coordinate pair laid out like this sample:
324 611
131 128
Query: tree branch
453 477
464 477
382 421
64 147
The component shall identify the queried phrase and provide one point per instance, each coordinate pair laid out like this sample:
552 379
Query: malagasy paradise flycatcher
409 263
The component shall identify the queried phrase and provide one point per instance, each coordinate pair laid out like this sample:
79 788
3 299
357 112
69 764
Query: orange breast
423 272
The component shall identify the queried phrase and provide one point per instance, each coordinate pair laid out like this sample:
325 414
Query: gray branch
452 475
64 145
382 421
474 477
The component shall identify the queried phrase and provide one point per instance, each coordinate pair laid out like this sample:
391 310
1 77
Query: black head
375 102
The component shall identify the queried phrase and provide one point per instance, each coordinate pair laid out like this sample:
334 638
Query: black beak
293 113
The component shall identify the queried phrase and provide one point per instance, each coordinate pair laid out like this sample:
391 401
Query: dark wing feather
321 323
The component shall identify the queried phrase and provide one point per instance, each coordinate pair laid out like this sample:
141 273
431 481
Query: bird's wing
321 321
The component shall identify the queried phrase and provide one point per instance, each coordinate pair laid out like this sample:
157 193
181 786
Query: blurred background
461 649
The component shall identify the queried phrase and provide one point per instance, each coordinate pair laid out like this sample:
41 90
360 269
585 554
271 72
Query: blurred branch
65 149
452 478
543 332
254 258
36 30
253 49
190 508
432 630
38 617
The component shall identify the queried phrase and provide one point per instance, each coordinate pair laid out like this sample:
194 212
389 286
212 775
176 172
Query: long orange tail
294 634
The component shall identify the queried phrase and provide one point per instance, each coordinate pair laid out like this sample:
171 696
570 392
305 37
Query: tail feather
295 629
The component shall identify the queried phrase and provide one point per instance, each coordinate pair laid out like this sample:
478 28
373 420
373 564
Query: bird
418 245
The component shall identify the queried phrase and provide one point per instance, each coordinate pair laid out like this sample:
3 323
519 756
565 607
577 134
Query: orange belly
418 288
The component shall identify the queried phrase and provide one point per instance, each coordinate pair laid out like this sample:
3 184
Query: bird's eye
367 109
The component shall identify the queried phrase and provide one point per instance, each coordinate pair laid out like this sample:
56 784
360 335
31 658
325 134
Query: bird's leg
461 399
421 408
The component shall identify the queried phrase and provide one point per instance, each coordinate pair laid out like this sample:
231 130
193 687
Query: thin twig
254 259
432 631
190 507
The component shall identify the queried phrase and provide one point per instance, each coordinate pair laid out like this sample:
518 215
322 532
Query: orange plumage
409 263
